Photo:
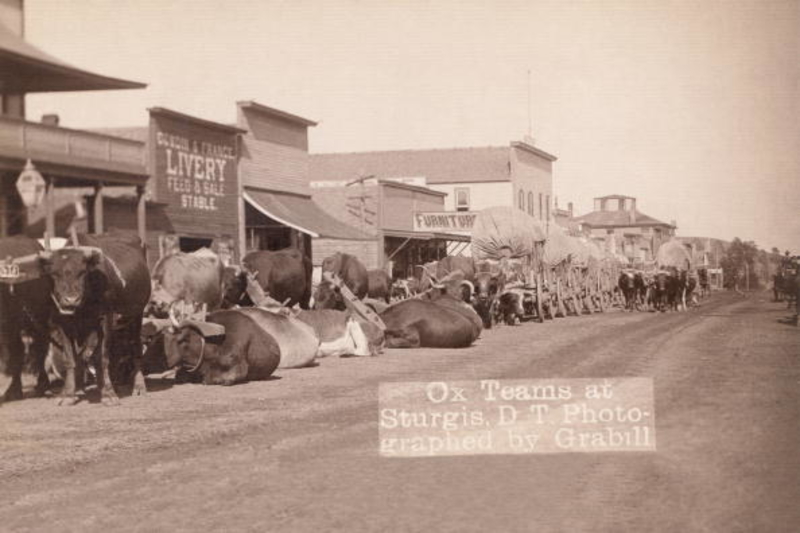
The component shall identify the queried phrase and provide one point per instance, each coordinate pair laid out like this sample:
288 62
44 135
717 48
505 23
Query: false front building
442 190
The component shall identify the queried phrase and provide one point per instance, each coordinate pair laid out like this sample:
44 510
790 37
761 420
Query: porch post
50 209
97 208
141 214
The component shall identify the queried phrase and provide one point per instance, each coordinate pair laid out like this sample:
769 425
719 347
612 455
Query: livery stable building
234 188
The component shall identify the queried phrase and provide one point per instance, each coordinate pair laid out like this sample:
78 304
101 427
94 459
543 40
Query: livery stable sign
195 172
444 221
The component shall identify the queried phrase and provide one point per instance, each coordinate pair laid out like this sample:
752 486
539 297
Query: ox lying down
228 348
341 334
440 322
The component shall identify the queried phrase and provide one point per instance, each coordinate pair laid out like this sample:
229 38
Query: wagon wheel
562 310
601 295
539 307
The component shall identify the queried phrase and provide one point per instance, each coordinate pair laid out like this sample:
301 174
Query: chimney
50 119
569 208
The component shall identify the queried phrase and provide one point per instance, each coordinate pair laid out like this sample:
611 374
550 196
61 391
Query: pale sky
691 106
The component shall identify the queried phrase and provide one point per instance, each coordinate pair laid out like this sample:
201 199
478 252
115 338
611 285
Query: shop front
194 166
386 210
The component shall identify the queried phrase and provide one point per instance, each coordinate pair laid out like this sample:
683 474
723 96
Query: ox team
101 315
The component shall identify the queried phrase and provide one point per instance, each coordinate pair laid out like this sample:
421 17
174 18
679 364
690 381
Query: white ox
339 333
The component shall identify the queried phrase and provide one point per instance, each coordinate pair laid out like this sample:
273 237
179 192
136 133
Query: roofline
407 186
276 191
532 149
471 182
261 108
634 225
201 121
68 69
618 196
405 150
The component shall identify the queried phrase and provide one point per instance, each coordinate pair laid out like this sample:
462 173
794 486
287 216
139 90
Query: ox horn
469 284
172 318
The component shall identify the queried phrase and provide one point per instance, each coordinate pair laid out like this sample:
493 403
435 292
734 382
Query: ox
298 342
239 350
417 323
24 308
444 299
627 284
379 285
284 275
352 273
339 333
195 277
511 305
100 287
453 263
488 287
423 280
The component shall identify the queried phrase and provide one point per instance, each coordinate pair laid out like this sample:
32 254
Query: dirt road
300 452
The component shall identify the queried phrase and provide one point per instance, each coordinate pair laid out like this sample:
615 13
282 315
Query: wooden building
278 210
235 188
66 158
519 176
385 210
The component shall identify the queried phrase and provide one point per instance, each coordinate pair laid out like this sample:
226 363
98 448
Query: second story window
530 203
541 207
462 198
521 200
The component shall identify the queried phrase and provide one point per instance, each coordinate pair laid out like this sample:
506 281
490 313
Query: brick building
620 227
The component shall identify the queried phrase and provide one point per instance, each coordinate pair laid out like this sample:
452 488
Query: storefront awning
26 69
301 213
402 234
426 235
452 237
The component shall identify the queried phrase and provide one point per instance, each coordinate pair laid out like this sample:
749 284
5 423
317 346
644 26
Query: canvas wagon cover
673 254
558 248
505 232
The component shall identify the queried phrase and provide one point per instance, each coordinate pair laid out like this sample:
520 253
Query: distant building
518 176
566 218
622 228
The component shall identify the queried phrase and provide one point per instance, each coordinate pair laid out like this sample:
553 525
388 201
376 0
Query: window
530 203
522 200
541 208
462 198
547 205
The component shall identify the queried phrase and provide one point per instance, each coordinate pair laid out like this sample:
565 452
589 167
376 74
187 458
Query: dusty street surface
300 452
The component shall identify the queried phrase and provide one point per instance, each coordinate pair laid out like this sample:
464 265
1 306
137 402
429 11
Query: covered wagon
514 241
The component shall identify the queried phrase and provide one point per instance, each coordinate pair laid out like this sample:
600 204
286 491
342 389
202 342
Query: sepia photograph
400 265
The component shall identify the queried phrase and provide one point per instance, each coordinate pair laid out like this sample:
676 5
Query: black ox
100 290
25 312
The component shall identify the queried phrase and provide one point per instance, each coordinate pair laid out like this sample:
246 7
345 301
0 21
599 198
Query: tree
739 261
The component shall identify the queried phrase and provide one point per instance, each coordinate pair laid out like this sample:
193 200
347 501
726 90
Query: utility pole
362 200
529 103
